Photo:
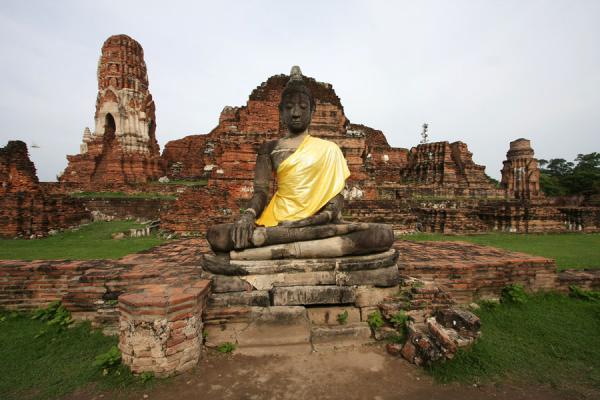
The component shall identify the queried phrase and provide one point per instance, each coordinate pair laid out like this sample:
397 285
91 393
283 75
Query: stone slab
335 337
307 295
254 298
350 263
382 277
267 329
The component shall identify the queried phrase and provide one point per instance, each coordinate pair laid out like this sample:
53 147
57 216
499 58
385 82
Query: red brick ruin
26 207
123 146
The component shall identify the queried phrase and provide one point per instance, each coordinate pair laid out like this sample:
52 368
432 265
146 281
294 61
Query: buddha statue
304 217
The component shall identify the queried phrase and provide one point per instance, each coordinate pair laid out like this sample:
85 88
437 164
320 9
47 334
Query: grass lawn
121 195
89 242
551 339
54 363
570 250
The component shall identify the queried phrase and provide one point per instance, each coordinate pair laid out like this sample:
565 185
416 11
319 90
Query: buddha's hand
241 234
317 219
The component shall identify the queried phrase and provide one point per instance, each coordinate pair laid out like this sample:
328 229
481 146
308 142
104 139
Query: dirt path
366 373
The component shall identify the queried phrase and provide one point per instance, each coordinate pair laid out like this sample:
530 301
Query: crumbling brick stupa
26 208
122 148
521 174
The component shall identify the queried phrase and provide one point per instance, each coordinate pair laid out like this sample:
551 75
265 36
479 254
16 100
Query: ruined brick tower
521 174
123 146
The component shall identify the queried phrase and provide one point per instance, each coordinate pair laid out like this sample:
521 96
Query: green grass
89 242
185 182
122 195
570 250
551 339
55 363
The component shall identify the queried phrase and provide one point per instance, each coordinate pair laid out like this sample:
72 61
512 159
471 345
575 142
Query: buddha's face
296 112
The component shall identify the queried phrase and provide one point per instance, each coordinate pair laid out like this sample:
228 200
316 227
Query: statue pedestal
279 306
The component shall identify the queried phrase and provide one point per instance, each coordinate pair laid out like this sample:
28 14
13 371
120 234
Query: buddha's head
297 104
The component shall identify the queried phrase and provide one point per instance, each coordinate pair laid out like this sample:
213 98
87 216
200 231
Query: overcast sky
484 72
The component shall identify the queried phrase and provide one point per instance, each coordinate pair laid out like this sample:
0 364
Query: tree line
559 177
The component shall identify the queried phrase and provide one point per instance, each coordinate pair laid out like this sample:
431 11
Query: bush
109 360
582 294
375 320
399 319
514 294
54 315
226 347
342 318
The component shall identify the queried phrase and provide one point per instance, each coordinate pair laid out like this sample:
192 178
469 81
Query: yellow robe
311 176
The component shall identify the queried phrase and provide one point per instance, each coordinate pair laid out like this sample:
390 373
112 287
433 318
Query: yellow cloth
311 176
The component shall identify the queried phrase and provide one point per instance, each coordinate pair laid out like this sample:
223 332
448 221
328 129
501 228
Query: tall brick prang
123 146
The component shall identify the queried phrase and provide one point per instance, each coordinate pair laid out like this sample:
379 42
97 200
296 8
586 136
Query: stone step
325 337
266 330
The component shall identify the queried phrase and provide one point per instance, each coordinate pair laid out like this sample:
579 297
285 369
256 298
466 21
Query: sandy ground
365 373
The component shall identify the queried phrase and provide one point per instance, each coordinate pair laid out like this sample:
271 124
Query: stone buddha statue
304 217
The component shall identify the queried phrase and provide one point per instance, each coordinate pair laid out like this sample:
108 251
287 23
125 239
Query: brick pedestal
160 327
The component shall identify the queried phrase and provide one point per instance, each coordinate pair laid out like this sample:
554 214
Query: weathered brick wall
149 209
90 289
475 215
26 208
197 209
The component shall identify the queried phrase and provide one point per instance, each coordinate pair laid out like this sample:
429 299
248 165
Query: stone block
258 298
368 296
329 315
463 321
226 284
308 295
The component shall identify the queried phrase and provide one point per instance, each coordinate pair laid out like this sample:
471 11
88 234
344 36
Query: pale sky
484 72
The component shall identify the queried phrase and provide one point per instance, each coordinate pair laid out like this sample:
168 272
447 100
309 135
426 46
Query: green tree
560 177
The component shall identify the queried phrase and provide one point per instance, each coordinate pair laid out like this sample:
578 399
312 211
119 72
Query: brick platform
470 271
156 300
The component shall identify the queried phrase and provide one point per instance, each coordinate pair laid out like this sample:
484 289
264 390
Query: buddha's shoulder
324 142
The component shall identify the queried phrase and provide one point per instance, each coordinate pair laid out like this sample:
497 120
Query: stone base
278 306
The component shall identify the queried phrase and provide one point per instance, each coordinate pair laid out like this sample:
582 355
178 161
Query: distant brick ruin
26 208
433 187
123 146
521 174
